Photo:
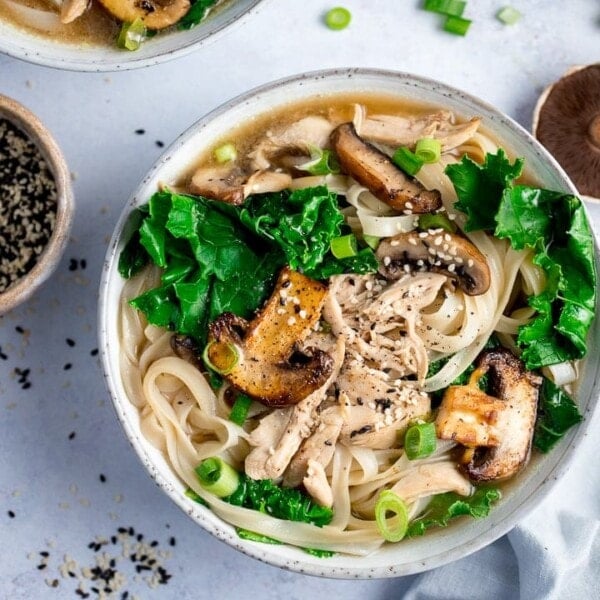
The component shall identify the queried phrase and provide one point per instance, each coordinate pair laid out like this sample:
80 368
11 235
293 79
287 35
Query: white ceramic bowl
48 260
413 555
36 49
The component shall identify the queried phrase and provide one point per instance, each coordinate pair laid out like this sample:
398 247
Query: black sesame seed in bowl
36 203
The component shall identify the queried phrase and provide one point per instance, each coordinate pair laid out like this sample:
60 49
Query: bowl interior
27 46
27 122
410 556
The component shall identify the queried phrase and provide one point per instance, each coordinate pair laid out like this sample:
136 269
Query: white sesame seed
291 321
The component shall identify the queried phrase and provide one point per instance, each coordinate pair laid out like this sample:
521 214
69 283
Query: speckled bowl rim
48 260
504 517
124 61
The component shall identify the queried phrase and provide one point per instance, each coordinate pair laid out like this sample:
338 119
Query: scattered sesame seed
140 131
11 514
70 342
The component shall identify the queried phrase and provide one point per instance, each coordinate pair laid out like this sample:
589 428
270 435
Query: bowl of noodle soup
339 398
113 35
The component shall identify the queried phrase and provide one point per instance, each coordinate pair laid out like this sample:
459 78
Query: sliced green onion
428 150
436 221
239 410
420 440
392 529
190 493
246 534
322 162
220 357
226 153
457 25
372 241
338 18
344 246
406 160
217 477
508 15
132 35
446 7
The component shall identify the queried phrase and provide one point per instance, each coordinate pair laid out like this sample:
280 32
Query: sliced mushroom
187 348
373 169
219 183
156 14
441 252
497 430
72 9
397 130
272 367
567 122
233 185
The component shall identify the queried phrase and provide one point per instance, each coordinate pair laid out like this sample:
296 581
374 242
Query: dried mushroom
270 364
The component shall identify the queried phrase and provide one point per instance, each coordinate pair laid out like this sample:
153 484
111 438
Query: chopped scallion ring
407 161
446 7
217 477
226 153
322 162
221 358
457 25
132 35
420 441
372 241
239 410
436 221
392 529
344 246
428 150
338 18
508 15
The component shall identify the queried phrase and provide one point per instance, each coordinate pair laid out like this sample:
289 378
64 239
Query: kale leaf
556 414
197 12
282 503
445 507
479 187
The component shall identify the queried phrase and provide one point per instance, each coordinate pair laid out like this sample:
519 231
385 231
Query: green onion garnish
322 162
446 7
239 410
217 477
226 153
457 25
132 35
190 493
428 150
436 221
372 241
508 15
420 440
221 358
338 18
406 160
344 246
392 529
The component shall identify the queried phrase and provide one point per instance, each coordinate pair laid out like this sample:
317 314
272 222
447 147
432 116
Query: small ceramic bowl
81 57
29 124
411 555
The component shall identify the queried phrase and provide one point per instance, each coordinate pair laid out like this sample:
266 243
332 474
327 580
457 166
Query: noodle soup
329 341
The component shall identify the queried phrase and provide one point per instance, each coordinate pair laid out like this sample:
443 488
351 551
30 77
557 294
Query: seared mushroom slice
497 430
272 367
447 253
156 14
219 183
379 174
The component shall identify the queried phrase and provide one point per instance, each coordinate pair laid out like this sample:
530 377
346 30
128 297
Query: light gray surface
52 482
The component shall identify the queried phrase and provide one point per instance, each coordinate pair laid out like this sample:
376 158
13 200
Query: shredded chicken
396 130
